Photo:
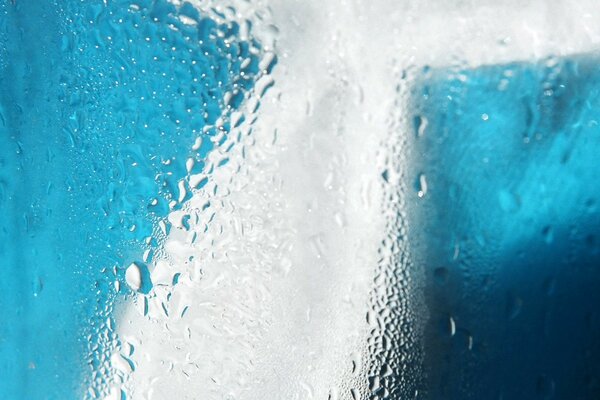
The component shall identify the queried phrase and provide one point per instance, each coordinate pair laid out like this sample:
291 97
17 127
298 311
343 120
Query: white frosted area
273 303
277 291
441 33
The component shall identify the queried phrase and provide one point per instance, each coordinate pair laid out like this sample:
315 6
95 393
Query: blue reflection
509 230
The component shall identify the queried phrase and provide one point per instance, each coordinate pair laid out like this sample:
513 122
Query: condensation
334 200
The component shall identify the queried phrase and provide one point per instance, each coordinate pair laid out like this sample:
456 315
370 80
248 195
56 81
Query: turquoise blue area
101 103
507 232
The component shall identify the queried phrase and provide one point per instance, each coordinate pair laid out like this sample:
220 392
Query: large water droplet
137 277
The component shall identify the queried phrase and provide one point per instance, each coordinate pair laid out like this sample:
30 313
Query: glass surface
281 199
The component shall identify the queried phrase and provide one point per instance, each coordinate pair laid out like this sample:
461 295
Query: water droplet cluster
112 114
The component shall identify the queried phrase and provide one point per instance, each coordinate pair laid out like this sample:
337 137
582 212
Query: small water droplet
386 175
38 286
333 394
448 326
421 186
420 124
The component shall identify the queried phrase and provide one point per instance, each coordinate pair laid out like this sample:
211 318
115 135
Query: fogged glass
346 199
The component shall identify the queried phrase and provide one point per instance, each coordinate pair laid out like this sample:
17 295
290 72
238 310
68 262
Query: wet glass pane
281 199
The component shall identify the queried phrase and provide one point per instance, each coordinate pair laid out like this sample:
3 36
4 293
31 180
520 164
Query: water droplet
385 175
137 277
448 326
420 124
421 186
38 286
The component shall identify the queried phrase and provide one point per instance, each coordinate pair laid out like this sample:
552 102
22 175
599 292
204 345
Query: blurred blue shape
101 103
508 231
